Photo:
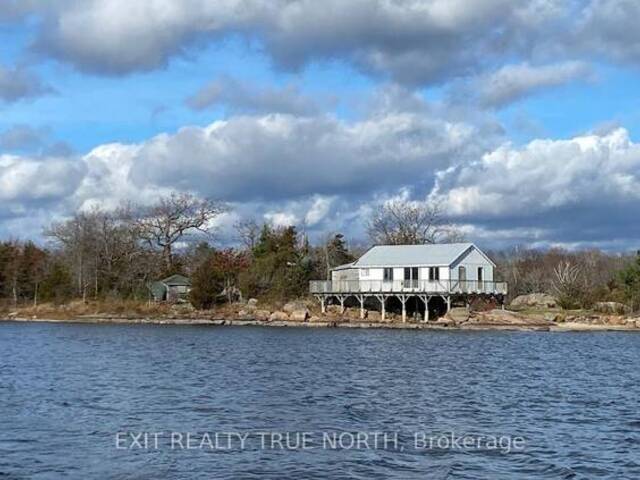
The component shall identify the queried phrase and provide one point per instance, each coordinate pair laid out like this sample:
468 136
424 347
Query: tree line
115 254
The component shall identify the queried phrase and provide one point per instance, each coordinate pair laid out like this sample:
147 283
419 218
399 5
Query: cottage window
434 273
388 274
365 272
480 274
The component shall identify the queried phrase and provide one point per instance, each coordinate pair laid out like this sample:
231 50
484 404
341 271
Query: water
66 390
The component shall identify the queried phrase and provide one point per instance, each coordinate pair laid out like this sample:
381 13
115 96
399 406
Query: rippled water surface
67 390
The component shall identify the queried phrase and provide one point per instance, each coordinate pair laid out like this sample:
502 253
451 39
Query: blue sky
517 116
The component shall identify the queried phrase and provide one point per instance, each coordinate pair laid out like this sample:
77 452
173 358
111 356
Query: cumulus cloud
27 180
325 173
587 187
513 82
120 36
609 28
237 96
272 161
411 42
284 156
18 83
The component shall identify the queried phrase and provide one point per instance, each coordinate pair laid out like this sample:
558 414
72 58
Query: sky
521 118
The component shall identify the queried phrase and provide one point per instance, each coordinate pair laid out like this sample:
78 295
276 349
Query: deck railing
407 286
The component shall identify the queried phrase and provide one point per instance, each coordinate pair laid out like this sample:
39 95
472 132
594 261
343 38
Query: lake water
75 401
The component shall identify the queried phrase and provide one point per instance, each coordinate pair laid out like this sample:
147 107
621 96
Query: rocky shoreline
491 320
533 314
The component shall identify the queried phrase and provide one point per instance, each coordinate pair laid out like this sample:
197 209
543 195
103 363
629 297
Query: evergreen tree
629 279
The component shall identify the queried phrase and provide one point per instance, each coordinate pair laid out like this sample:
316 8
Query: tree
206 284
335 253
57 284
281 266
229 264
77 237
31 271
567 285
104 252
629 280
410 223
166 222
249 232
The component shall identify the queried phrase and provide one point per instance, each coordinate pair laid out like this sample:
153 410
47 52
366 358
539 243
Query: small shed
175 288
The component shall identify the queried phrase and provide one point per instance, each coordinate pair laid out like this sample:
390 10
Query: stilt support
403 299
323 303
341 299
448 303
383 301
361 298
425 299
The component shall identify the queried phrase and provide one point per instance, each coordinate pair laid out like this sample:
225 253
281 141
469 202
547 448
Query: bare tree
567 284
172 218
410 223
249 232
77 236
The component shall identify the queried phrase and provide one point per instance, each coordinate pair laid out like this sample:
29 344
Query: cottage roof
345 266
414 255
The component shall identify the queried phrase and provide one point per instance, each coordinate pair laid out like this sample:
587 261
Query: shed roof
176 280
414 255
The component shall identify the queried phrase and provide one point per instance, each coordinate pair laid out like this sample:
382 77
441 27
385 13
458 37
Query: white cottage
404 271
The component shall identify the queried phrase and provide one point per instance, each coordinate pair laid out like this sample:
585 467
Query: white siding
345 274
374 274
471 261
398 273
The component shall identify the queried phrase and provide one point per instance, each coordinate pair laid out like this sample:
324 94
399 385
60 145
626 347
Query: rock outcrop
294 306
540 300
458 314
262 315
614 308
299 315
278 317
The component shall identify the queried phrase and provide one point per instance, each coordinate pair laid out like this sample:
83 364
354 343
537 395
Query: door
462 278
480 286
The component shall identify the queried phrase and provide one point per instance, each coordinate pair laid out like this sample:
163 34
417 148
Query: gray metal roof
177 280
344 266
412 255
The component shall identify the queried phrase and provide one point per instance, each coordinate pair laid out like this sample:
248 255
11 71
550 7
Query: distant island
158 264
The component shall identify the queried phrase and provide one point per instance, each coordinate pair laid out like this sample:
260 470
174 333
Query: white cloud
591 171
412 42
326 173
237 96
38 179
283 156
281 219
269 160
609 29
513 82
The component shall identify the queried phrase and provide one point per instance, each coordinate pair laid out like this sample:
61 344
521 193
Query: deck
407 287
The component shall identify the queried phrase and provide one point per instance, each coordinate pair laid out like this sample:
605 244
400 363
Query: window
411 276
364 272
388 274
480 274
434 273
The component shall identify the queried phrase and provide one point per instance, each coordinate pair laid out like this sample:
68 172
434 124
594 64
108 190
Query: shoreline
346 323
